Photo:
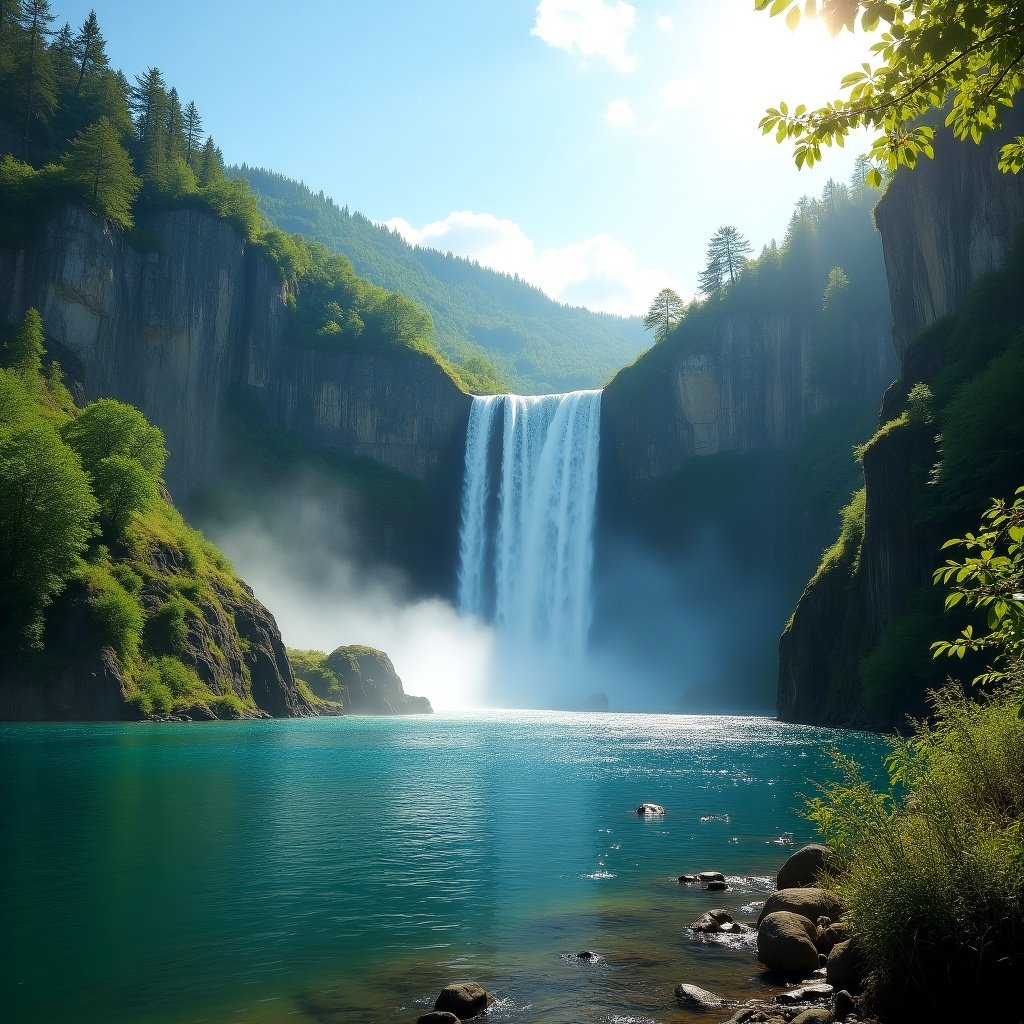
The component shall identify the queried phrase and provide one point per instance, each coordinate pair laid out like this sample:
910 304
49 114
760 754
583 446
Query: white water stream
527 540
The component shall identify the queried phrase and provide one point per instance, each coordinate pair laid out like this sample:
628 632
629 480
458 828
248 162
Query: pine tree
727 256
101 165
193 130
90 49
666 311
150 104
35 77
175 125
211 167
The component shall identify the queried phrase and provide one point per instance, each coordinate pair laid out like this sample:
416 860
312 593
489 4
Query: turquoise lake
344 870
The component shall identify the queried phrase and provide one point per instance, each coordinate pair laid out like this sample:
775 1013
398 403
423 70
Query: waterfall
526 545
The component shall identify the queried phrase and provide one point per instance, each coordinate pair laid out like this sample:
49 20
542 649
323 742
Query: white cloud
678 93
620 113
591 28
600 273
665 23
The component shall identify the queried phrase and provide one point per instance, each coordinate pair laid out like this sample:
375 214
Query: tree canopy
929 54
666 311
727 256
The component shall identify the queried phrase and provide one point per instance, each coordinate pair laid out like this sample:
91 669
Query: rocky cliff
856 649
943 226
180 328
748 387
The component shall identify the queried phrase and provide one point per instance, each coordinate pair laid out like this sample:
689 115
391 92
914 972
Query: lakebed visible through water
345 870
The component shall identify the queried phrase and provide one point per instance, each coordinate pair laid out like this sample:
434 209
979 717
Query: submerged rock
710 876
713 921
804 994
437 1017
650 810
586 954
696 998
464 999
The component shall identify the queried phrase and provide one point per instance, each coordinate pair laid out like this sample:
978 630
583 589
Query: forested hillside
74 130
538 345
111 606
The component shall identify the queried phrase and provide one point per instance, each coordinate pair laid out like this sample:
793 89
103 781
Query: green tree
123 455
990 578
929 53
211 165
47 515
193 131
665 312
90 50
726 258
175 126
25 350
101 165
34 77
150 104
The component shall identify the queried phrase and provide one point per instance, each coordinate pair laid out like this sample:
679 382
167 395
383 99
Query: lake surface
344 870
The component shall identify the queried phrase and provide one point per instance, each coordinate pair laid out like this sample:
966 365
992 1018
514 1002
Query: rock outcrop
200 316
945 226
748 388
370 685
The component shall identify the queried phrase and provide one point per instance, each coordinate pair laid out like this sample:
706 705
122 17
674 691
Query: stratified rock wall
175 330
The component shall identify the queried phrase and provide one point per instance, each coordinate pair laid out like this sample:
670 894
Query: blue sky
592 146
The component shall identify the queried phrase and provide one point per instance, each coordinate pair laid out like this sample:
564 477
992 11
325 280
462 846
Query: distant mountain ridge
538 345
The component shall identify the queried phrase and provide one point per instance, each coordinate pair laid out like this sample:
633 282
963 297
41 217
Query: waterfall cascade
526 547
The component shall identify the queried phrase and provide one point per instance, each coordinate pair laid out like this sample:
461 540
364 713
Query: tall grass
933 868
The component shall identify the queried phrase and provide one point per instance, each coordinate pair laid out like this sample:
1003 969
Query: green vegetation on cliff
127 151
913 857
482 318
90 547
952 437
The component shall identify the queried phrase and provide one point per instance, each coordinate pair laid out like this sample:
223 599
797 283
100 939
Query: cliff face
944 226
176 330
750 388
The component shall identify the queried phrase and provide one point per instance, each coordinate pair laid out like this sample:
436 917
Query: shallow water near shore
345 870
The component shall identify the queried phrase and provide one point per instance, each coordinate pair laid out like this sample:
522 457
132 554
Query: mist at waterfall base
323 597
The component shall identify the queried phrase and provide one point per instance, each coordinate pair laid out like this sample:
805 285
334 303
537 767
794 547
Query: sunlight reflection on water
346 869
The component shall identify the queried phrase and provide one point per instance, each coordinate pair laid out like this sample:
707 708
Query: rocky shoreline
802 943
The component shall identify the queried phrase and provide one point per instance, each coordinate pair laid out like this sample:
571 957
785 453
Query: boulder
832 936
710 876
687 879
586 954
845 968
785 942
465 999
804 994
695 998
844 1005
805 866
717 885
437 1017
808 902
814 1015
712 921
650 810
